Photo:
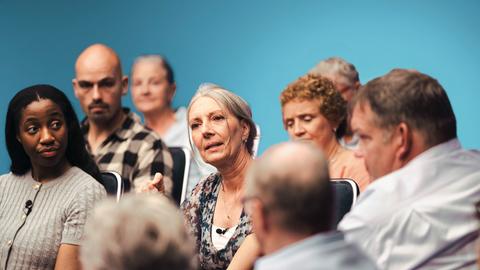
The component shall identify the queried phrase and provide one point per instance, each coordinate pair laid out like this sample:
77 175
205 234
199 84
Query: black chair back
113 183
181 167
346 192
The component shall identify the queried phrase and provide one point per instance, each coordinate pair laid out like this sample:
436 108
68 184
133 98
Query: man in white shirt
290 201
419 211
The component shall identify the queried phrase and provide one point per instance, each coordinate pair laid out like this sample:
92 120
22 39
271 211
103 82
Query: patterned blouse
198 211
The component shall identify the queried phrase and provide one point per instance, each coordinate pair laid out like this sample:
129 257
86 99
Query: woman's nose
206 129
144 89
46 137
298 129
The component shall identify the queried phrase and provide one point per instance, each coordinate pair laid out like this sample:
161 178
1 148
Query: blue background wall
254 48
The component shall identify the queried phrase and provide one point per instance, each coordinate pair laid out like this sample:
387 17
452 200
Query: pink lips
48 152
212 145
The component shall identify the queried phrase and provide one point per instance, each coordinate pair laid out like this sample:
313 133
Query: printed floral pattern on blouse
198 211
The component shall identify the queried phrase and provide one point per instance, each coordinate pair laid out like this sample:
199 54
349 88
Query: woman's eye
137 83
56 124
218 117
194 125
289 124
32 129
307 118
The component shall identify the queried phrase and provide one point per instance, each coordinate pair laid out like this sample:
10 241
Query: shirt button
36 186
9 243
24 216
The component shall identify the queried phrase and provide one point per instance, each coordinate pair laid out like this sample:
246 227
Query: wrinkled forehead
205 105
300 105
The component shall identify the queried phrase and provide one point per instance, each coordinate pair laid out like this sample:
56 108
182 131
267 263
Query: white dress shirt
321 251
422 215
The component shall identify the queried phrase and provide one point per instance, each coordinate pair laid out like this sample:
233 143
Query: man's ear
261 224
403 139
75 86
124 85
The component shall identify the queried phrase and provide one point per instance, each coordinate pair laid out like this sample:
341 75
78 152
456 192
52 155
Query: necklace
334 155
228 210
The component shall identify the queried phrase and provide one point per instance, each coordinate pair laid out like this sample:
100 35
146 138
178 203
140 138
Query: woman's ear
172 91
334 126
245 130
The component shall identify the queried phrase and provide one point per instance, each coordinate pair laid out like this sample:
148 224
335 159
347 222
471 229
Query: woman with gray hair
223 131
140 232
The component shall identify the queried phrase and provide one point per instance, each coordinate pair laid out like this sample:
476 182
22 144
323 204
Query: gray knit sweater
30 239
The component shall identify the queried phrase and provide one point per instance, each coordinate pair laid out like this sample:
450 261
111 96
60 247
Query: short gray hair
231 102
156 59
295 190
336 66
140 232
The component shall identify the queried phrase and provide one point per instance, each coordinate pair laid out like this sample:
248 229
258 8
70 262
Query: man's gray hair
231 102
413 98
292 182
338 67
140 232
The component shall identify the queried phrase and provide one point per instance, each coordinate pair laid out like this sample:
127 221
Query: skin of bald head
99 83
291 180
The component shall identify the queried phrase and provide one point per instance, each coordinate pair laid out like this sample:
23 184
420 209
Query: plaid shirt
135 152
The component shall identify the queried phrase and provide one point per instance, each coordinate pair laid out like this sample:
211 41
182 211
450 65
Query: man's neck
417 146
160 121
279 239
98 133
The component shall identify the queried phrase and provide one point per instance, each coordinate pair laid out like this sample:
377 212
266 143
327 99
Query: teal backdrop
254 48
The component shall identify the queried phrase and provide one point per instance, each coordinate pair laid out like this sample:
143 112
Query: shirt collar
425 156
309 243
439 149
124 132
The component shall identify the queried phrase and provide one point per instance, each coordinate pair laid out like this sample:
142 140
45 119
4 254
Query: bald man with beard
114 135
